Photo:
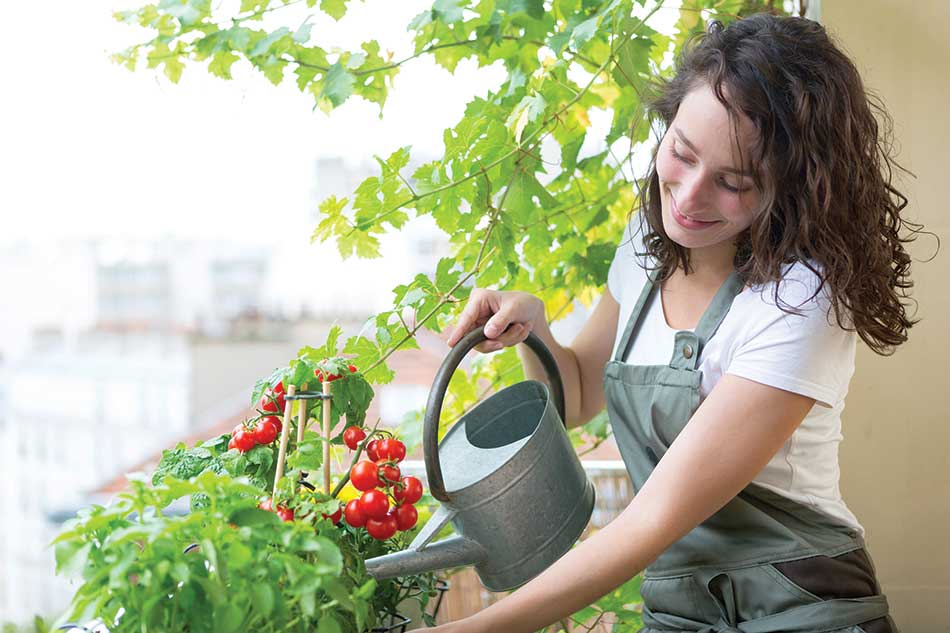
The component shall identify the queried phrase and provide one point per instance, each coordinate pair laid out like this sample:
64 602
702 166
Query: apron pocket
680 596
849 575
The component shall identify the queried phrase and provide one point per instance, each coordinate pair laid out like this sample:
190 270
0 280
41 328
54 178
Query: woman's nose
690 196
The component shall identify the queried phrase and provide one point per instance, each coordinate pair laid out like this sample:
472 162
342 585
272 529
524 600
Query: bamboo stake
284 436
302 416
326 436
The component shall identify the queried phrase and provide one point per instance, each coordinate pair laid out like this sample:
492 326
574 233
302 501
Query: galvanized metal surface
509 479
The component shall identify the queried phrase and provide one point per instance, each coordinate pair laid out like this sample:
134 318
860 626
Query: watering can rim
459 427
440 384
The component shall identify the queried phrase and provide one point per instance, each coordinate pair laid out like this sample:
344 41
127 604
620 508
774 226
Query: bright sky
89 148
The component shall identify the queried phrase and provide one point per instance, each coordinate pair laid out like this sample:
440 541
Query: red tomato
388 474
410 491
406 516
273 419
372 449
352 437
354 516
285 514
267 405
391 448
374 504
382 529
241 439
352 368
265 432
364 475
335 517
318 373
279 393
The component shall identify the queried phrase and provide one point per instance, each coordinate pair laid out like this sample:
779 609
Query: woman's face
707 196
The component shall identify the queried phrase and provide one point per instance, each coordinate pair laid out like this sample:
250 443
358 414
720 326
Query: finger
512 336
476 312
497 324
515 333
464 324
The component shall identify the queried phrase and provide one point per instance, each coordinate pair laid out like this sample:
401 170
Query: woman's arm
730 438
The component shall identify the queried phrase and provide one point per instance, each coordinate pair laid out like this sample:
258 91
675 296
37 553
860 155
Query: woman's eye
679 156
728 187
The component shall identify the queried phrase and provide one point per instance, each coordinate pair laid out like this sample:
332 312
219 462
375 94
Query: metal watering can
512 484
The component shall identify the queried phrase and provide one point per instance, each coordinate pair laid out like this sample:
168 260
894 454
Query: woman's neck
711 264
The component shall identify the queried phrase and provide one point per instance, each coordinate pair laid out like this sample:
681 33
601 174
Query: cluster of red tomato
379 479
266 426
318 374
285 514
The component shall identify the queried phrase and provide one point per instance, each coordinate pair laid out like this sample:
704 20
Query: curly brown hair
825 170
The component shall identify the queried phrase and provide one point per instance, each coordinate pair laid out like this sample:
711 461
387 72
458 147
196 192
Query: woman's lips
686 222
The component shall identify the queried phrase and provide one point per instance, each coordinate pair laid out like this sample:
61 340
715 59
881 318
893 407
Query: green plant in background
522 207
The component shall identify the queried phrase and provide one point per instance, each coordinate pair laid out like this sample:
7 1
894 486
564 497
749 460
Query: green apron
723 576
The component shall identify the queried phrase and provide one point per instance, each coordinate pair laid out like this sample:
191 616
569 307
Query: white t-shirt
806 354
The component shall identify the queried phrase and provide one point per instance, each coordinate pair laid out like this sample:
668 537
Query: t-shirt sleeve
807 353
614 282
624 267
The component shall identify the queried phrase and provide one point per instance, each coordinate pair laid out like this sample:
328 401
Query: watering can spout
455 551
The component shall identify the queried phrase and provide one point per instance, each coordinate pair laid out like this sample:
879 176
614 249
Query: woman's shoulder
800 286
630 263
802 290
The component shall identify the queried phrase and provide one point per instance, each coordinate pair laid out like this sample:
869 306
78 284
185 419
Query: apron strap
635 316
687 345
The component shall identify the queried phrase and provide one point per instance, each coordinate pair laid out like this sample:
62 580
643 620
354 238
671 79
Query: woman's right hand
497 310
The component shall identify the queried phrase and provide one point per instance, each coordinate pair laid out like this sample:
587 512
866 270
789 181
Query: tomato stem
356 457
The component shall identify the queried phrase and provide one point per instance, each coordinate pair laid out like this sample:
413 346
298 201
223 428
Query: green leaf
329 624
302 34
262 598
337 85
583 32
227 618
181 463
188 12
309 453
71 557
447 11
250 517
254 5
220 65
336 9
528 110
308 603
271 42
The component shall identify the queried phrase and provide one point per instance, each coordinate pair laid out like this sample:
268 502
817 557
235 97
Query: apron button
688 351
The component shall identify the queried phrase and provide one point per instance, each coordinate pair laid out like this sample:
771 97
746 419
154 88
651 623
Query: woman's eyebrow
687 143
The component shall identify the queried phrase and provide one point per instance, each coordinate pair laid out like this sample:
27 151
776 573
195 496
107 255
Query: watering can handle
430 429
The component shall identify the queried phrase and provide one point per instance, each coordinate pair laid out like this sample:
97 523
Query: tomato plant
290 552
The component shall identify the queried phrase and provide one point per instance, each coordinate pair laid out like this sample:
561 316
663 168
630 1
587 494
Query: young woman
723 347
